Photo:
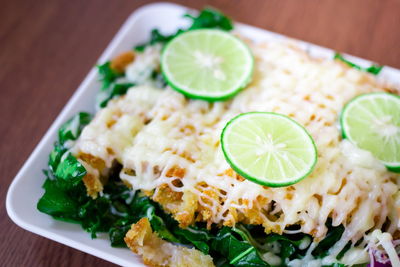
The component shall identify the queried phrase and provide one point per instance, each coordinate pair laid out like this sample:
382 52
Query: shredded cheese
169 147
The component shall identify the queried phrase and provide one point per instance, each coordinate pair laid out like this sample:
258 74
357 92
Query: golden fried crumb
120 62
158 252
176 171
93 185
95 162
93 180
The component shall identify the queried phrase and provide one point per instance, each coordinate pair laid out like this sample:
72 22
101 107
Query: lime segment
372 122
268 148
207 64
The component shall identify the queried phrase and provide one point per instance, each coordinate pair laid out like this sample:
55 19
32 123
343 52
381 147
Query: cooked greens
374 69
114 212
107 74
110 87
156 37
114 90
73 128
208 18
236 250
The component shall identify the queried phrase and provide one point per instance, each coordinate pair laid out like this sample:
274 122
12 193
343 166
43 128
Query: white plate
25 189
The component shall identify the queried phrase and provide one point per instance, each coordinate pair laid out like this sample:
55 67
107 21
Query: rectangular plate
25 189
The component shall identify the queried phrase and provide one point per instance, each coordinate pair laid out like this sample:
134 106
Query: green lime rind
195 94
393 166
205 97
264 180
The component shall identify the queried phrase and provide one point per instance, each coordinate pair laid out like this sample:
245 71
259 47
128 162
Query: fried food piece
93 185
93 180
120 62
157 252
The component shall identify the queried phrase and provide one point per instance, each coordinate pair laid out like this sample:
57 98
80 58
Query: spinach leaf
70 171
374 69
336 264
159 79
333 235
55 156
157 37
133 210
197 236
207 18
210 18
106 212
73 127
344 250
114 90
158 224
118 231
288 246
56 202
107 75
109 213
238 252
221 262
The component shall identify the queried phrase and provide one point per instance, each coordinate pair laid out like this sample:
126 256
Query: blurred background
47 47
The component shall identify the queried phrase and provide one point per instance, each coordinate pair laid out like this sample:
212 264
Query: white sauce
155 130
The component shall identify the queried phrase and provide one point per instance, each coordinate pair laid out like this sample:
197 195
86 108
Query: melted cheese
155 132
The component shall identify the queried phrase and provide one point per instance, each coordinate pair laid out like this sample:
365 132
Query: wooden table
47 47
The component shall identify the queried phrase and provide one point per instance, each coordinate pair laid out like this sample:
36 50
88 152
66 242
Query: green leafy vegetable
107 75
56 202
144 207
336 264
66 169
197 236
210 18
55 156
333 235
290 248
110 88
70 171
238 252
156 37
118 231
207 18
108 93
73 127
159 79
102 213
374 69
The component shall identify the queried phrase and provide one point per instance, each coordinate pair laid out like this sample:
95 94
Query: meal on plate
210 149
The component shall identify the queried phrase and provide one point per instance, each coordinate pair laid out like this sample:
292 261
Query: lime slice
207 64
268 148
372 122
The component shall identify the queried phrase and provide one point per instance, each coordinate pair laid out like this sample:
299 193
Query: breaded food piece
169 147
157 252
120 62
96 176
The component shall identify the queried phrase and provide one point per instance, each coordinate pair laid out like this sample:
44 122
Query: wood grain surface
47 47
